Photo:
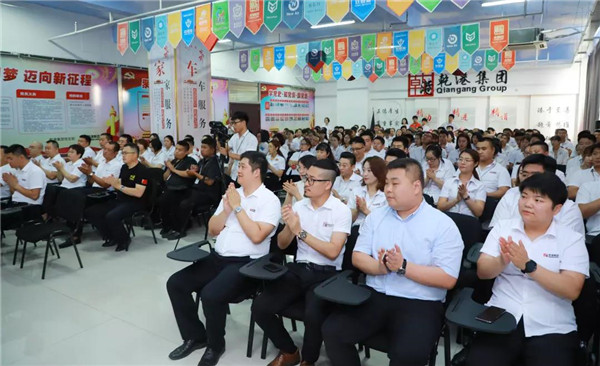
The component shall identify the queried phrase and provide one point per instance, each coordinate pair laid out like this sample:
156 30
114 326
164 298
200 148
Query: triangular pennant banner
341 50
188 21
272 14
314 11
384 45
243 60
430 5
293 12
337 9
161 30
290 56
254 15
148 32
362 8
255 59
279 57
174 28
368 46
134 35
416 42
508 59
122 37
499 34
439 63
336 70
237 17
391 66
470 37
220 18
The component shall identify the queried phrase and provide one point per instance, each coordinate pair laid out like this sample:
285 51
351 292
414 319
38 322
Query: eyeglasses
234 122
432 159
128 152
461 160
357 148
311 180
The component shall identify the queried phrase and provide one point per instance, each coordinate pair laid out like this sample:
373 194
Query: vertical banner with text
161 72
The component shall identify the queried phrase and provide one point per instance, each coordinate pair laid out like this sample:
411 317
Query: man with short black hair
493 175
393 154
587 175
540 147
561 155
47 165
574 164
368 137
99 158
4 168
450 122
402 143
241 141
348 182
85 141
415 123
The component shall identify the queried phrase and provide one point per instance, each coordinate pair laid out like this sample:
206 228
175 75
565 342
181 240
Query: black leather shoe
211 357
186 348
164 232
123 246
460 359
109 243
174 235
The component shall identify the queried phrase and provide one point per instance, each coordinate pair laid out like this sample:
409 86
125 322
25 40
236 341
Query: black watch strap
530 267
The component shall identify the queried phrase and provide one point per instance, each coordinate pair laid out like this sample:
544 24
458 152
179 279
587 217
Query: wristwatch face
238 209
303 234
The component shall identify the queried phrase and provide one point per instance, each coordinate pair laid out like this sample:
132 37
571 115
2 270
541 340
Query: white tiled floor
114 311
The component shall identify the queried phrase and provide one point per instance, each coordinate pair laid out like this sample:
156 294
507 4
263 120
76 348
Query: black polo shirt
130 177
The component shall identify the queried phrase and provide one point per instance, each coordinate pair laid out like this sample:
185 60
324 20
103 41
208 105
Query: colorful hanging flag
337 9
362 8
268 58
391 66
306 73
302 52
341 50
327 72
470 37
174 28
148 32
464 61
508 59
491 59
426 63
134 35
416 42
403 65
187 23
336 70
384 45
430 5
211 42
255 59
243 60
373 77
122 37
237 17
316 75
290 56
478 60
355 52
162 34
379 66
220 18
368 46
314 55
399 6
314 11
460 3
499 34
347 69
434 41
272 14
293 12
439 63
357 68
203 22
367 68
400 44
279 53
328 51
452 40
414 65
451 63
254 15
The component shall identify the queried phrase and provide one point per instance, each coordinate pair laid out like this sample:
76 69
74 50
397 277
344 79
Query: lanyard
236 150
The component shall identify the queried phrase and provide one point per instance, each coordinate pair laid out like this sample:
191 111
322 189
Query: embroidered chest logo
132 177
550 255
326 224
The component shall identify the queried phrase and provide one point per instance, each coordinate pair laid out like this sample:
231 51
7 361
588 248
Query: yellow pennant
337 9
426 64
399 6
384 45
268 59
347 69
290 56
174 28
327 71
451 63
416 43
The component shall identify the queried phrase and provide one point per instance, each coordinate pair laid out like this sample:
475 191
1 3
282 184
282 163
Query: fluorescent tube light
327 25
501 2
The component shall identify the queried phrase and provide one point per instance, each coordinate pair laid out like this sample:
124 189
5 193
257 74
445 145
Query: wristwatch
237 210
467 198
91 174
302 234
530 267
402 270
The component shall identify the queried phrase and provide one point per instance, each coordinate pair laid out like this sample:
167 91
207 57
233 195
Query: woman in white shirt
370 196
437 171
68 175
169 147
295 190
292 171
464 193
157 156
462 142
276 163
145 153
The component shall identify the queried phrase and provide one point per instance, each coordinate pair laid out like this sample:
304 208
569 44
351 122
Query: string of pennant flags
213 21
435 50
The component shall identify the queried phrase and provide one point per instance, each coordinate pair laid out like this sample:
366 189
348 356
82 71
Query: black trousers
195 197
505 349
50 196
169 203
107 218
219 283
411 326
297 284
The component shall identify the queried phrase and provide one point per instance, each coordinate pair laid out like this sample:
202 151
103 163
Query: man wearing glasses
239 143
358 149
321 223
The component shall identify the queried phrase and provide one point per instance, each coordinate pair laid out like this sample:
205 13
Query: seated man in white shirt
588 199
347 184
243 223
561 155
241 141
336 145
358 149
493 175
47 165
587 175
156 157
574 164
508 207
565 143
379 147
401 143
410 264
517 155
35 152
539 267
4 168
99 158
368 137
85 141
321 224
392 154
540 147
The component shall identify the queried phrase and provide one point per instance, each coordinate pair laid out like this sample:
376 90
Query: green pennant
470 37
430 5
134 35
255 59
491 59
368 46
414 65
272 15
379 66
328 51
220 18
316 75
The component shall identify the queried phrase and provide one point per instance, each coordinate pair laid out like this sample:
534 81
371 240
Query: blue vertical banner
357 68
336 68
314 11
314 56
433 41
302 53
293 12
464 61
160 22
439 63
148 32
187 26
400 44
478 60
362 8
367 68
452 40
279 57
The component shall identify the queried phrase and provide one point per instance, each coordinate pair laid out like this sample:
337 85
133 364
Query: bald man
35 152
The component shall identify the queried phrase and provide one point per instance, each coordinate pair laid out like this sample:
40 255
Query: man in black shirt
177 183
130 186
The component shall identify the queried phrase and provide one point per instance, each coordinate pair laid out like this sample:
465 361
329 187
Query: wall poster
286 106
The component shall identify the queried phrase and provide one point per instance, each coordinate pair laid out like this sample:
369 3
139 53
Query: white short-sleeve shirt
30 177
47 164
475 188
333 216
587 193
4 188
561 156
573 166
516 156
170 153
374 202
158 158
337 152
88 153
261 206
444 172
347 189
560 248
583 176
99 157
293 169
493 177
72 168
108 168
278 162
239 145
